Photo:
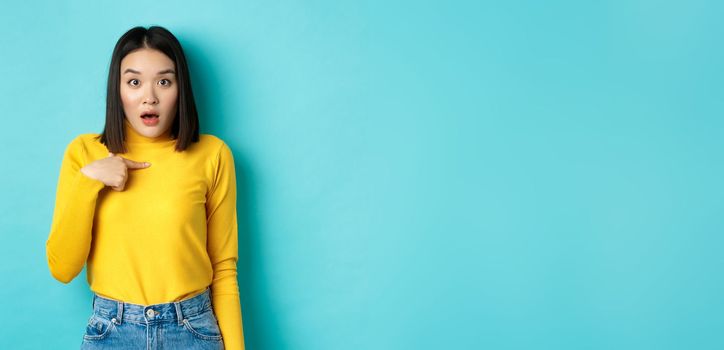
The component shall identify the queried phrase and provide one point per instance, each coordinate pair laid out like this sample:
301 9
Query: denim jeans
186 324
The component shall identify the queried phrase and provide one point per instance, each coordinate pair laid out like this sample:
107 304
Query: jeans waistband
119 311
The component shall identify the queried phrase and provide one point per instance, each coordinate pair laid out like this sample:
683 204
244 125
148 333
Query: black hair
185 127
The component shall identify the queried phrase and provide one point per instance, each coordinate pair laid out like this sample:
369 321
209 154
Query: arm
222 245
70 236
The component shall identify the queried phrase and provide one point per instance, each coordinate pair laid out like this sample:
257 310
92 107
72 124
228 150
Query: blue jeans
186 324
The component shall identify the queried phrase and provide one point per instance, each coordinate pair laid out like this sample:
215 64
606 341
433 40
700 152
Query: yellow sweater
167 236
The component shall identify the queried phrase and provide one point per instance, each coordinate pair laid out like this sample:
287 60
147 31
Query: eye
168 82
132 80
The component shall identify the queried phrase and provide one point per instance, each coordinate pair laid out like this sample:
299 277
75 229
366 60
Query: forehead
146 60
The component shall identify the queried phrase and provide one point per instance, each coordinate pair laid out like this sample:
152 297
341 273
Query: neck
133 136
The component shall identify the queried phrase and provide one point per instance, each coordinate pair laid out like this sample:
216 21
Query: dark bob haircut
185 127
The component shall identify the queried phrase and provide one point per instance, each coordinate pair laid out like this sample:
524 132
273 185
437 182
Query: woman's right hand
112 170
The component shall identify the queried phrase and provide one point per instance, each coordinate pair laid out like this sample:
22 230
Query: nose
150 97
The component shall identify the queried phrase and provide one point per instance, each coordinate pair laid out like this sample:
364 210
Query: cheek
128 96
171 99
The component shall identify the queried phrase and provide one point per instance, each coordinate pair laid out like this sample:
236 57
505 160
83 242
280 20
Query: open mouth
150 118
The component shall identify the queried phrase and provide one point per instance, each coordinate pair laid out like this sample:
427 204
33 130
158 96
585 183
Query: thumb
136 165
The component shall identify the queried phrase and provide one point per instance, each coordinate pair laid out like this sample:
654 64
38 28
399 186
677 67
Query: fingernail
147 164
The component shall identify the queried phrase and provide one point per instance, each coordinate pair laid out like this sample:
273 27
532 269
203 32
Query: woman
157 226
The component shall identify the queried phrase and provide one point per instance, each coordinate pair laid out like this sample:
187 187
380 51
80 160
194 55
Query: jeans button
149 313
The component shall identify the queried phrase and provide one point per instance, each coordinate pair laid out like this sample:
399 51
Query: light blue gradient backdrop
412 174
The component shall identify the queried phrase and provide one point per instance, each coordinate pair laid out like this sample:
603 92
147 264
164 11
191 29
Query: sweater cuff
85 183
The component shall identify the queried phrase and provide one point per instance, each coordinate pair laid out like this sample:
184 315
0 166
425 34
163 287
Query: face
148 85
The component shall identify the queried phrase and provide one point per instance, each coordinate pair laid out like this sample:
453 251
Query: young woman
157 226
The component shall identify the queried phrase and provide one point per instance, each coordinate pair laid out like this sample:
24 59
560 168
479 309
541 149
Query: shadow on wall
218 110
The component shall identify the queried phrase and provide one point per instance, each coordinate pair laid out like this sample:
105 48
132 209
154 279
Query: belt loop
179 314
120 312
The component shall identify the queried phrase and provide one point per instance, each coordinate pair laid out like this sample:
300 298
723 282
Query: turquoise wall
411 174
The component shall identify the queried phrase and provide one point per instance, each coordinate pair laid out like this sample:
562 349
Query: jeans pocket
203 326
98 327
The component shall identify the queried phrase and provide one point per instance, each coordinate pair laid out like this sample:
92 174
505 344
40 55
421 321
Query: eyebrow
165 71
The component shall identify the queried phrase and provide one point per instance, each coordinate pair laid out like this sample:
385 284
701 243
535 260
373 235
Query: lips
149 114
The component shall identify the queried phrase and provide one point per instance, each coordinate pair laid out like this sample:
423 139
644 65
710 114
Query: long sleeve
222 246
70 235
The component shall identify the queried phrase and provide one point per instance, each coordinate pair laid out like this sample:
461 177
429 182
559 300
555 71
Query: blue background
411 174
